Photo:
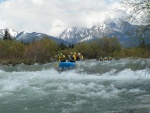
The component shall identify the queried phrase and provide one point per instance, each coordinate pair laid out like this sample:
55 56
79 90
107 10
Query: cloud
53 16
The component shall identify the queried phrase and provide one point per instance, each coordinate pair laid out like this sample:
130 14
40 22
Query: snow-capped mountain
125 32
108 28
28 37
75 34
12 33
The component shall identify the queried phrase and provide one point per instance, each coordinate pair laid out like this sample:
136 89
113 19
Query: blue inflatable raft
67 65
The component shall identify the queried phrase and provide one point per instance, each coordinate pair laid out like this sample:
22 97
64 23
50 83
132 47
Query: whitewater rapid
118 86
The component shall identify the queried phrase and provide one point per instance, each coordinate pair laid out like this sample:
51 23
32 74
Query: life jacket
110 58
80 57
77 57
62 58
105 58
101 59
73 58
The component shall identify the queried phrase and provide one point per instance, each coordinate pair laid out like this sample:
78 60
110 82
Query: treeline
42 51
100 47
39 51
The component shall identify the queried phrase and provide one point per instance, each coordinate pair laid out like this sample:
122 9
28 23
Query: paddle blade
56 65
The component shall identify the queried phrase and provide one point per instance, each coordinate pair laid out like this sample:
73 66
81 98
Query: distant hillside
29 37
124 31
127 34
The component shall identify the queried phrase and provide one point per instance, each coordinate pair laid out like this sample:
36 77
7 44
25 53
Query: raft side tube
67 65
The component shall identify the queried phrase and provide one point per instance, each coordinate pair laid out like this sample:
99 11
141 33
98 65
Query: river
117 86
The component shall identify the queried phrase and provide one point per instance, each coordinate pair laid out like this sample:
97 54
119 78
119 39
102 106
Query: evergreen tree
71 46
62 46
7 36
142 44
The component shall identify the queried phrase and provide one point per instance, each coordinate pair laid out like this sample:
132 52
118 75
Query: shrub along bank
42 51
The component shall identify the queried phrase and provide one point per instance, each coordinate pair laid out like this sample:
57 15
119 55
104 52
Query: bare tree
139 12
139 15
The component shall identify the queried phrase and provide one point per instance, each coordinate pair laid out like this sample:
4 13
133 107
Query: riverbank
13 62
16 62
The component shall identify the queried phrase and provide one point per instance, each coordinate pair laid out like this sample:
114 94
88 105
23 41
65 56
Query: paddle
56 65
70 57
72 60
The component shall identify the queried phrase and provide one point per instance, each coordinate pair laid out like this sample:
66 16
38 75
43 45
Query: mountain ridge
27 37
74 35
125 32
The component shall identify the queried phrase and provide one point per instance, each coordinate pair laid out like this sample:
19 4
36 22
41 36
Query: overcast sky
53 16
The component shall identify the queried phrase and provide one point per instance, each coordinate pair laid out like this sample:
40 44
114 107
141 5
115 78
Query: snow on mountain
75 34
109 28
29 37
34 36
12 33
124 31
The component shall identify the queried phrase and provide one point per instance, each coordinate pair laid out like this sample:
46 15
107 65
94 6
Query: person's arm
74 57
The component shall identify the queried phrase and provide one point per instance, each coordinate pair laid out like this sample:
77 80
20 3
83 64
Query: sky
53 16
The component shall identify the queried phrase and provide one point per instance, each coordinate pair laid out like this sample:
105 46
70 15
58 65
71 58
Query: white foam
136 91
126 74
102 92
71 80
1 72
